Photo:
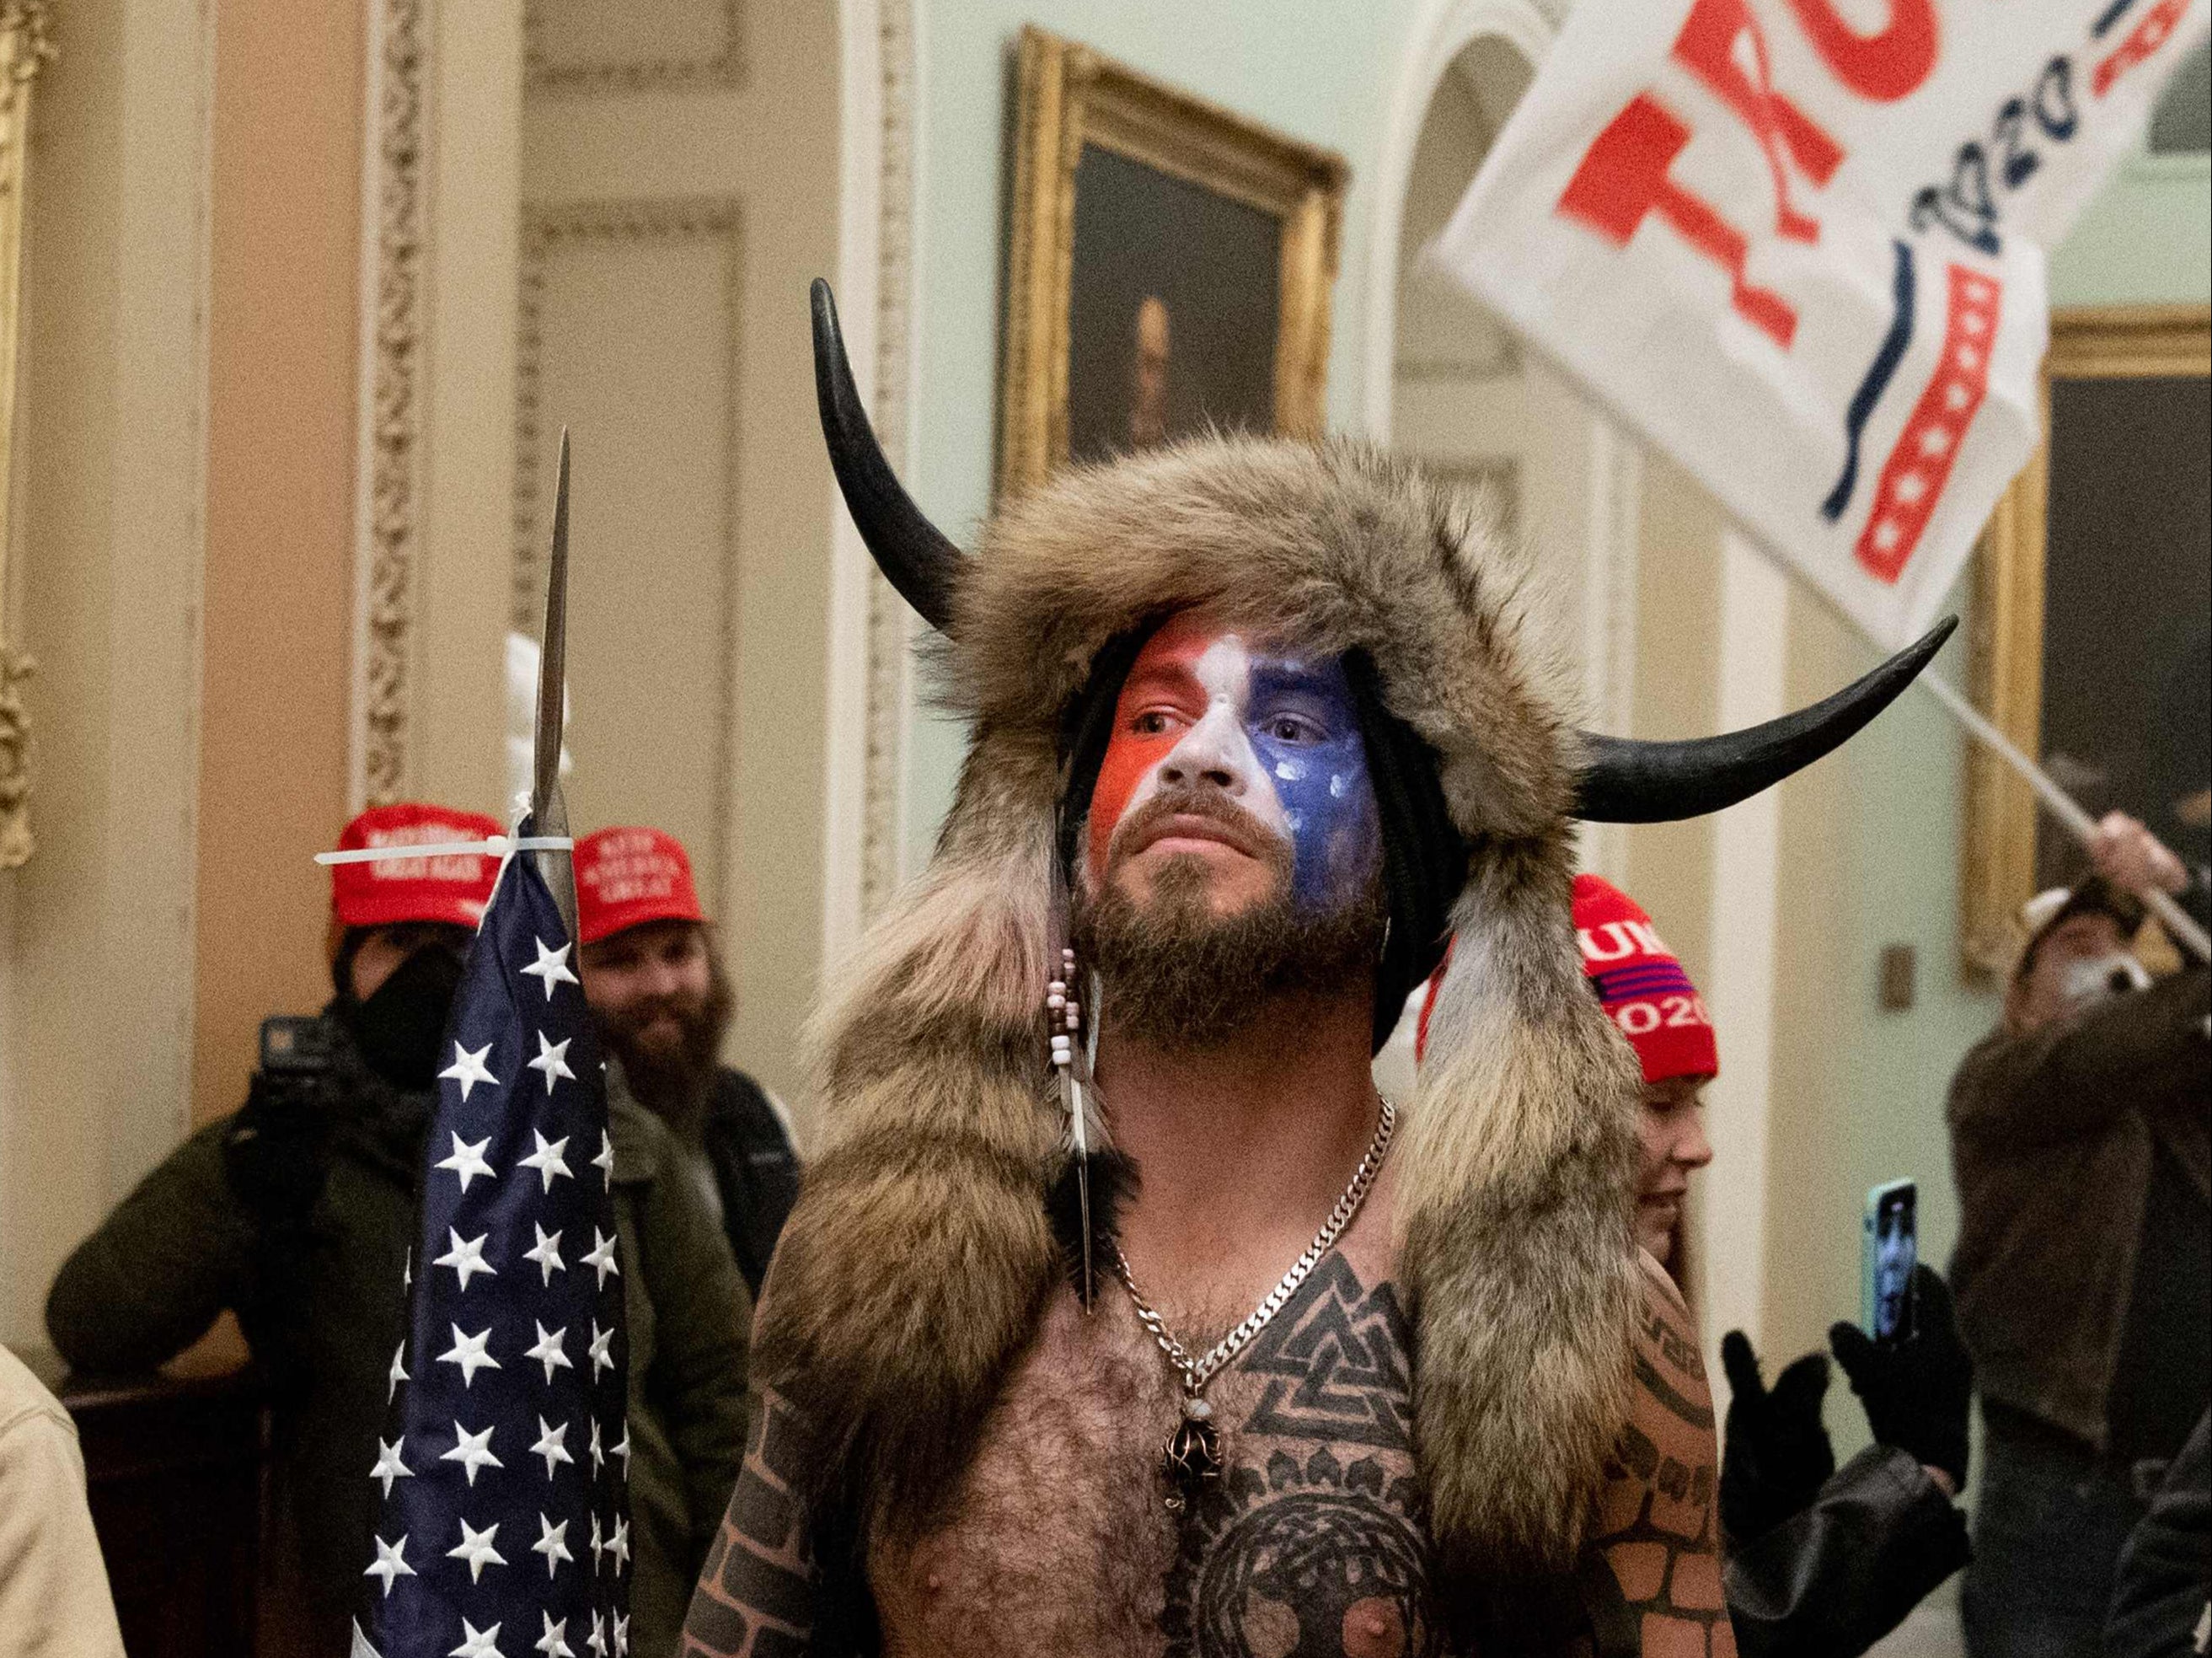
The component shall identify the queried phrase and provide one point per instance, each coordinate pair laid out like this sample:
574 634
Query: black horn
1625 780
912 553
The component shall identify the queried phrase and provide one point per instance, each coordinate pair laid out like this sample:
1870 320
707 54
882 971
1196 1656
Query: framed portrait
2093 611
1168 267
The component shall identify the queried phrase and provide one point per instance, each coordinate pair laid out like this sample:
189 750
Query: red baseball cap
1642 984
454 887
627 877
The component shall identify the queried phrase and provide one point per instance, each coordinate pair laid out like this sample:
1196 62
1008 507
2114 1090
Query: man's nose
1214 752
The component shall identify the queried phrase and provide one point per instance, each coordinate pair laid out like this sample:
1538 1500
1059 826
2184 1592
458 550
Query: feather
1099 1182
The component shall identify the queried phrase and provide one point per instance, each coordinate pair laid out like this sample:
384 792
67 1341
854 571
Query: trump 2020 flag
1798 244
502 1522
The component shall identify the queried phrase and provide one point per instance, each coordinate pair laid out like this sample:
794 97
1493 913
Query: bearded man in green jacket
299 1212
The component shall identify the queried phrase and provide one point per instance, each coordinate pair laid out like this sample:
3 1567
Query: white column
1738 988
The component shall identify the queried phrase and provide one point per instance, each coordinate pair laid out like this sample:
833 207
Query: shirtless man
1454 1370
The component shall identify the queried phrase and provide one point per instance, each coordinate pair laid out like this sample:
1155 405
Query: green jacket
324 1320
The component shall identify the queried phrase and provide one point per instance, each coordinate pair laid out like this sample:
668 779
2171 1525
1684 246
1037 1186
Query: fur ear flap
1518 1254
918 1257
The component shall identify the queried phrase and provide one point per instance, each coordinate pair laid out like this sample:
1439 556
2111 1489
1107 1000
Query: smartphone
1888 1248
295 1045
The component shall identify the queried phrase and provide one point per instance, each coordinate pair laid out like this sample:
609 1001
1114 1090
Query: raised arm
1652 1570
757 1597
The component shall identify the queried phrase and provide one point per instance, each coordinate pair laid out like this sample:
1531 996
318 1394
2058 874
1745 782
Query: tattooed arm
757 1596
1653 1569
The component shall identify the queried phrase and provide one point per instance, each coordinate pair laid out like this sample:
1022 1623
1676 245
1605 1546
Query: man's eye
1290 727
1153 723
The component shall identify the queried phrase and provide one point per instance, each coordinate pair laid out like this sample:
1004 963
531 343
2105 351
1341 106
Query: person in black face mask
300 1211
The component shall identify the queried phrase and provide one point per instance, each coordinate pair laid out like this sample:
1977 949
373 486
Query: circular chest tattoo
1311 1559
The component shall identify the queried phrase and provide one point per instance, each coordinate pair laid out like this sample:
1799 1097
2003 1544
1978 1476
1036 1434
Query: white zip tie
497 846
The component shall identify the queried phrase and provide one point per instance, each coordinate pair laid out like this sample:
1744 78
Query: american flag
502 1520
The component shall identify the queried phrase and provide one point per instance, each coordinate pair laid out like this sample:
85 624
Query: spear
549 811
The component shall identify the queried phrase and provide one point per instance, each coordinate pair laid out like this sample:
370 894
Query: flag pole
548 810
2180 924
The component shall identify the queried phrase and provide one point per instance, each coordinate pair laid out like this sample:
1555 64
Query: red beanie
454 888
1642 987
627 877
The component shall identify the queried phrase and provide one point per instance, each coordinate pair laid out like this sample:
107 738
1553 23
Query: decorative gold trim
882 855
391 505
723 70
25 48
2006 660
632 223
1069 96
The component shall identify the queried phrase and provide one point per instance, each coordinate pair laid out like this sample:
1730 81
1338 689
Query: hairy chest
1311 1544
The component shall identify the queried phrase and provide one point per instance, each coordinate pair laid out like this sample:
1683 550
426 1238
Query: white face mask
2095 978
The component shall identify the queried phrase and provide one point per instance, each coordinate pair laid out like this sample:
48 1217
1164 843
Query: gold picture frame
25 48
1070 101
2006 659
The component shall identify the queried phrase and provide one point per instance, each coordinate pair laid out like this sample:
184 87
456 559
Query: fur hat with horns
920 1257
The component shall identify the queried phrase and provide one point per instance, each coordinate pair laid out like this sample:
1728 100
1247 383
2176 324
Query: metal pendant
1192 1460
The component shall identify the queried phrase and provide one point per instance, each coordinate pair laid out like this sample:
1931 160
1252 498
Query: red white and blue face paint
1277 733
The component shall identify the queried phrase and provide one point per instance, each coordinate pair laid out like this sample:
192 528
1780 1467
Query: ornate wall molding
724 68
889 694
545 230
388 506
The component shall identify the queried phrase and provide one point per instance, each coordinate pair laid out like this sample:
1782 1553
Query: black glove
275 1150
1914 1393
1777 1454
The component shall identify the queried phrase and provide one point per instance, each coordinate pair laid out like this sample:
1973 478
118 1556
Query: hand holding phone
1915 1392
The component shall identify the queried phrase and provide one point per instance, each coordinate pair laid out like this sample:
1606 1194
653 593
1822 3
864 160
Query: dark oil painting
2127 611
1173 309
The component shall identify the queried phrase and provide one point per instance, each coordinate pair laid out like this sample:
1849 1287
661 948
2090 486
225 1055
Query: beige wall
283 333
96 960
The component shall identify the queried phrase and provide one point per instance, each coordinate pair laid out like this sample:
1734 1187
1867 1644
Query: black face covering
399 1028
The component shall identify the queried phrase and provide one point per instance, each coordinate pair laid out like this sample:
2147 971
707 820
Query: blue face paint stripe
1322 782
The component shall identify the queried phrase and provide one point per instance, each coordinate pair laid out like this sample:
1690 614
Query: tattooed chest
1311 1544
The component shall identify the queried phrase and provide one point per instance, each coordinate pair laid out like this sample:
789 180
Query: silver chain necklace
1194 1449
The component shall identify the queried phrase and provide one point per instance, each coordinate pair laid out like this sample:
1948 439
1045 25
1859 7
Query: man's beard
674 1082
1180 977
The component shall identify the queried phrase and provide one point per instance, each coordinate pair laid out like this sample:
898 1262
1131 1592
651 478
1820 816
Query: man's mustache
1238 826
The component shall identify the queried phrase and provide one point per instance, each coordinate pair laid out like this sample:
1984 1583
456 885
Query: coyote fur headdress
918 1261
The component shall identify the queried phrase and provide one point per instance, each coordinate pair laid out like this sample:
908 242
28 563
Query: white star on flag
397 1374
547 1351
547 1159
604 1162
467 1352
472 1451
622 1634
618 1546
391 1562
476 1642
622 1447
469 1068
549 1544
602 1341
598 1546
475 1547
599 1458
466 1259
467 1161
552 1062
552 1445
602 1256
554 1643
407 1269
551 966
597 1640
546 1253
388 1466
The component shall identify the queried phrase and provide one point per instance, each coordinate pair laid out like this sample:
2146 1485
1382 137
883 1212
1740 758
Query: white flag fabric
1799 245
